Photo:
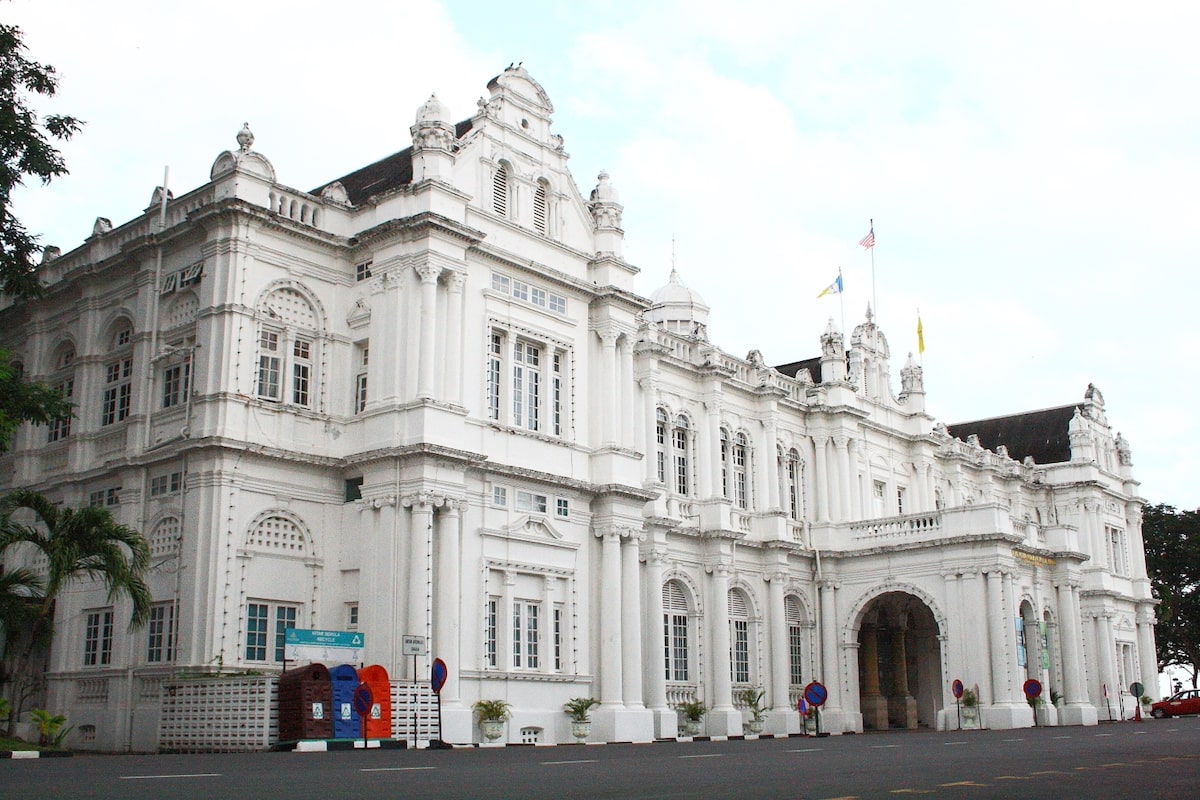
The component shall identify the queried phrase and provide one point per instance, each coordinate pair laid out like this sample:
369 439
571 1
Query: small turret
833 355
433 141
606 217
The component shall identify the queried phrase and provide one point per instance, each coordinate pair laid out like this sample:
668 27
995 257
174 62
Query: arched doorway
899 663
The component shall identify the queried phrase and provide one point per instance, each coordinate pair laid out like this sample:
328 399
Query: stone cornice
409 229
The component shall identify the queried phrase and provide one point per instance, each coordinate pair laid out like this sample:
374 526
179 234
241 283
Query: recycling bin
305 704
379 720
343 680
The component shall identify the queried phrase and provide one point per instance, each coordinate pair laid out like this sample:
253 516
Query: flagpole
874 300
842 302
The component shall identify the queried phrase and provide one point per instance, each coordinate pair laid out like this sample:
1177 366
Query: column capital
721 568
457 280
428 272
841 441
422 499
779 576
829 584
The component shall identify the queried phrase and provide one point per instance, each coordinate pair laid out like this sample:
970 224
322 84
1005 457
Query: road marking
962 783
1013 778
912 791
577 761
949 743
1139 733
705 755
1050 772
807 750
393 769
883 746
1104 734
1014 740
1062 737
179 775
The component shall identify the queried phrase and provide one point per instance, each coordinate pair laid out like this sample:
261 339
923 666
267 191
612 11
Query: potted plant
753 698
693 712
492 714
577 709
50 727
970 709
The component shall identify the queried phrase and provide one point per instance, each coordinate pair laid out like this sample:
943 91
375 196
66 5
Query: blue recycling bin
346 722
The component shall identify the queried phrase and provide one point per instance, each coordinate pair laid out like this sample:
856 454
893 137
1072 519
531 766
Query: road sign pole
958 710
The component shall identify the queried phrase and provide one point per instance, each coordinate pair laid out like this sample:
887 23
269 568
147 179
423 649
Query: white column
852 449
998 625
843 457
721 668
425 377
448 610
452 388
625 389
610 617
418 576
607 385
505 622
1147 659
1069 632
770 460
821 496
631 622
649 411
704 449
780 651
546 662
1107 650
656 682
831 675
713 424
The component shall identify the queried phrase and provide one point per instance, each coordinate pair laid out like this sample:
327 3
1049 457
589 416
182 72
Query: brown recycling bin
305 704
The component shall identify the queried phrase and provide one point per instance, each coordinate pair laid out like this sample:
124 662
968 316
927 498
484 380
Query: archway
899 663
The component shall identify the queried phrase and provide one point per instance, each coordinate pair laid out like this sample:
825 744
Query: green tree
26 151
1172 540
77 544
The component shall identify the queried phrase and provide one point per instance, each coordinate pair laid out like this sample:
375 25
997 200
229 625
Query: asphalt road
1152 759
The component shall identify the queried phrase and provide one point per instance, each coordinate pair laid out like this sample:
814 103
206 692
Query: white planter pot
581 731
492 729
691 727
756 726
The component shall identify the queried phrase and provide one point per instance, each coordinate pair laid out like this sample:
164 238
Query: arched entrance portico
899 663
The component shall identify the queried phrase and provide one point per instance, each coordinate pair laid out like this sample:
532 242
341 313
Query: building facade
425 399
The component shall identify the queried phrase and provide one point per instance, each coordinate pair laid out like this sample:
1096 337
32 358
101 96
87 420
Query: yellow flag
920 335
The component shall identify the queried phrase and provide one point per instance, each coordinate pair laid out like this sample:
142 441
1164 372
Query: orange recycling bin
379 720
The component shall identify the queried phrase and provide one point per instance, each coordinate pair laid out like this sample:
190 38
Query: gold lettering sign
1036 560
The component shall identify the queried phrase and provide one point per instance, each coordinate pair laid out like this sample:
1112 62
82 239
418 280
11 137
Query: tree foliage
77 544
1172 541
26 151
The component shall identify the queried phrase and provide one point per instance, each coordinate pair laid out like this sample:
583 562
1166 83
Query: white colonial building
425 399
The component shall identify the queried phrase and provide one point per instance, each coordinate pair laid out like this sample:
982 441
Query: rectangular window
60 427
499 496
493 376
301 371
353 489
105 497
528 501
525 634
795 657
362 270
491 632
501 283
739 475
166 484
901 498
118 391
562 507
527 385
679 439
98 637
352 616
558 303
360 381
880 492
176 380
675 634
96 498
741 651
520 290
160 639
1116 544
268 365
537 296
558 638
258 617
556 397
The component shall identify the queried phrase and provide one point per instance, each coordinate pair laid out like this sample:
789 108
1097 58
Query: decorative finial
870 314
245 138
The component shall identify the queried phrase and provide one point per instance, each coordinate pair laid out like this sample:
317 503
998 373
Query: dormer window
539 208
500 190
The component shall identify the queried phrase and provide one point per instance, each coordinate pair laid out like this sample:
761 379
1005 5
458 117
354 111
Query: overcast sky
1032 168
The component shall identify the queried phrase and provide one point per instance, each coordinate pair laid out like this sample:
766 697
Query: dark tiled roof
813 365
385 174
1041 434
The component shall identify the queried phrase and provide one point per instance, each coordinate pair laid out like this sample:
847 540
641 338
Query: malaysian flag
868 241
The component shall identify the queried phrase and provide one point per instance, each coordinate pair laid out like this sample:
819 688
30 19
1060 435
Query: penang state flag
868 241
920 335
833 288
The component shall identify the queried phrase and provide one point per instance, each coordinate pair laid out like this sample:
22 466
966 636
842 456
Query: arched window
500 190
287 349
540 216
118 377
680 441
794 617
740 488
676 632
63 380
660 436
739 637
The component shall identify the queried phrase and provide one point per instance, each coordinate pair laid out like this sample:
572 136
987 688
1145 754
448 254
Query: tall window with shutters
680 451
501 190
794 617
739 637
540 210
676 632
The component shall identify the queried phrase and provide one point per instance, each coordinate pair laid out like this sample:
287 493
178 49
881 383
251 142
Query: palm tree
77 543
